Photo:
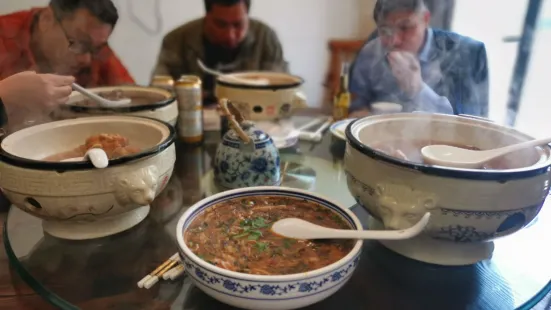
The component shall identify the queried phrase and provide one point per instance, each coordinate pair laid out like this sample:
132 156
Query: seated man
68 37
226 39
422 69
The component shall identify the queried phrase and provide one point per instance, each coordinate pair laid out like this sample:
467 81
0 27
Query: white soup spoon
246 81
299 229
100 100
451 156
97 156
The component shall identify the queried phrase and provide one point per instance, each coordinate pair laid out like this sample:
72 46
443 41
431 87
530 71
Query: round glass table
102 273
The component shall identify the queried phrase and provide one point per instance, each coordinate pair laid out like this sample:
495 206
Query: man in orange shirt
69 37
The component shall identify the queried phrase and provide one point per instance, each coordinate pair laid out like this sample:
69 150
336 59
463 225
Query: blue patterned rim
456 173
195 210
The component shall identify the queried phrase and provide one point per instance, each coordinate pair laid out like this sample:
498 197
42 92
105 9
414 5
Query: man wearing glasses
420 68
69 37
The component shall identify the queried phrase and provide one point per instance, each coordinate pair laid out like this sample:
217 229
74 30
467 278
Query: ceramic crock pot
275 292
469 208
165 109
280 99
74 199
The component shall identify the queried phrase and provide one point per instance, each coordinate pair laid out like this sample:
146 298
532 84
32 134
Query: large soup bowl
261 292
469 207
163 107
278 100
74 199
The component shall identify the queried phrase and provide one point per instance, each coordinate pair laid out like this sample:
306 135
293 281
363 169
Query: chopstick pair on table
171 269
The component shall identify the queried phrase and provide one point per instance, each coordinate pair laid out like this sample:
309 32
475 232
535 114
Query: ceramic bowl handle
137 188
400 206
299 101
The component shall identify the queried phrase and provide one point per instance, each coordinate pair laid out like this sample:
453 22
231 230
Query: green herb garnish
287 243
255 235
261 246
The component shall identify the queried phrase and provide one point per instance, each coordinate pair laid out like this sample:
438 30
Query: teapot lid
256 135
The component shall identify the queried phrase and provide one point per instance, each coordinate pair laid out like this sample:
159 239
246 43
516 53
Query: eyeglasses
77 47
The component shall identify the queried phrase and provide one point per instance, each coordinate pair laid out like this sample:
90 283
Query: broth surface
114 145
236 235
118 94
410 150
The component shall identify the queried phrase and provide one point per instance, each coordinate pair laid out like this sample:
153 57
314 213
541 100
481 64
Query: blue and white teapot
246 157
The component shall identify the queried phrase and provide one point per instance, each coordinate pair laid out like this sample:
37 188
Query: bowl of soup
230 252
75 200
279 98
469 207
149 102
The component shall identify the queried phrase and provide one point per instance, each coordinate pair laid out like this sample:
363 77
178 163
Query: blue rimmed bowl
260 291
469 207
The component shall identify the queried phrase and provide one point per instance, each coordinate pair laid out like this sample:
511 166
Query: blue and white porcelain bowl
469 207
260 292
238 164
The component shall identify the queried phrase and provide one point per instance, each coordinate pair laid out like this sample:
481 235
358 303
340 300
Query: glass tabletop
102 273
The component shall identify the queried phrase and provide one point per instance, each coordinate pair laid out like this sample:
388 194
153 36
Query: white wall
304 27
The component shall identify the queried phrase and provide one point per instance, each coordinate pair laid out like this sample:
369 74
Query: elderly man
420 68
68 37
226 39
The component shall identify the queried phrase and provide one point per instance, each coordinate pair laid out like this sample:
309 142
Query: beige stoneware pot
166 109
263 102
469 208
74 199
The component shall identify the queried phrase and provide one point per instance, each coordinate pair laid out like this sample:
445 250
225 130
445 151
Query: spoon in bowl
451 156
100 100
250 81
299 229
97 156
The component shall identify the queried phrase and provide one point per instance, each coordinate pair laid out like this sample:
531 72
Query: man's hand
28 93
407 71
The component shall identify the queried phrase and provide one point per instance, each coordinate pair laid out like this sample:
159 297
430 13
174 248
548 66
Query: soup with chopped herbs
236 235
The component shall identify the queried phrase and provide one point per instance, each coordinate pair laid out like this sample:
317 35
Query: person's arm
427 100
272 58
476 100
112 71
169 61
360 86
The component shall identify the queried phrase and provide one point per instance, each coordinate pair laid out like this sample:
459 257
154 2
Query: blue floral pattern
273 289
238 165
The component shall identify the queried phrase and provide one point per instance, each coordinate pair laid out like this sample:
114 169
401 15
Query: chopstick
153 277
311 123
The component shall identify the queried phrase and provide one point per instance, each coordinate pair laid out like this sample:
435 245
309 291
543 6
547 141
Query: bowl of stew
75 200
146 101
469 207
231 254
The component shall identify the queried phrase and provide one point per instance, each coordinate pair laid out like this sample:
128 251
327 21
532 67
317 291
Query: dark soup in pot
410 150
236 235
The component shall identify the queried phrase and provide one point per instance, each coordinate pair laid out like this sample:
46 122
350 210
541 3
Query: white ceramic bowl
76 200
469 208
260 292
165 109
263 102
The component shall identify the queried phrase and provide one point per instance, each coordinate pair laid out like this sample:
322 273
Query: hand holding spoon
300 229
101 101
451 156
97 156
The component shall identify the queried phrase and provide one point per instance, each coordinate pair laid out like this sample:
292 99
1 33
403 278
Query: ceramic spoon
101 101
233 78
451 156
300 229
98 157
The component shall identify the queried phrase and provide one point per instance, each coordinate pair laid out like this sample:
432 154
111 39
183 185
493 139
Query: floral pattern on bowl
238 164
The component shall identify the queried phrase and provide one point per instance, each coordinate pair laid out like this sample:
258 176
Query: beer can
163 81
190 106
